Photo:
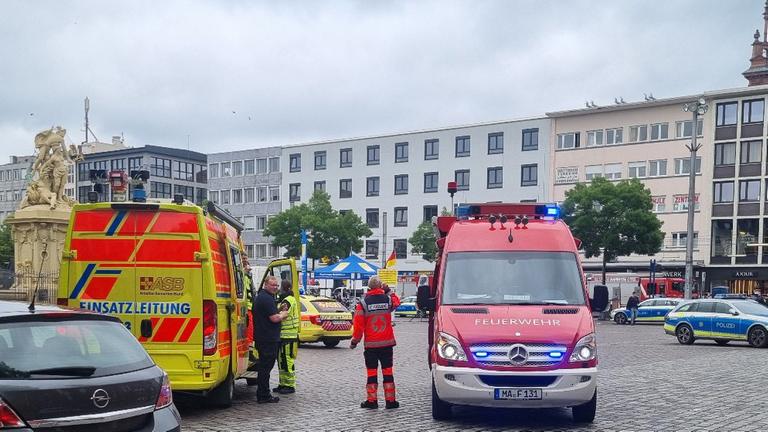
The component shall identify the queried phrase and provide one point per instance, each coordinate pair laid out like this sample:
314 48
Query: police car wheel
758 337
722 342
585 413
684 334
620 318
440 410
330 343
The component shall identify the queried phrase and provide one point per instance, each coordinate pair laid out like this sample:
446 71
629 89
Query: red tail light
210 327
315 319
8 418
165 397
62 301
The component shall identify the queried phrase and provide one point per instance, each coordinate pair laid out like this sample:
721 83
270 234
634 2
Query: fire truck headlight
449 348
585 349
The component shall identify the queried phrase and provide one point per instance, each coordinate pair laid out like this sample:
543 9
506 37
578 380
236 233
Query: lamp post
697 108
304 235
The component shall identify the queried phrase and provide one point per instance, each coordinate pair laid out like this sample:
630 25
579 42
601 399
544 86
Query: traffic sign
388 276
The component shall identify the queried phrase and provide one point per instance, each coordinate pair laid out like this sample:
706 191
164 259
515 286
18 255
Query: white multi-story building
400 180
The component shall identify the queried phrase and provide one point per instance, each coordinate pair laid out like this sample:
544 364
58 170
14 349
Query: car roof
10 309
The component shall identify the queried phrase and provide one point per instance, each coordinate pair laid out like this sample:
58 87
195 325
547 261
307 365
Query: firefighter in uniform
373 320
289 340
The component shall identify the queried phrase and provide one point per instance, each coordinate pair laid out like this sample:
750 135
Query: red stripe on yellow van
152 265
99 288
168 250
92 220
189 329
168 330
215 245
154 326
136 223
170 222
103 249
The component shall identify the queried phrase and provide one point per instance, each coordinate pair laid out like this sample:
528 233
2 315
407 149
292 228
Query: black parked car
64 370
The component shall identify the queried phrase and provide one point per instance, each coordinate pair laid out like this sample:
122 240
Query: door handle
146 328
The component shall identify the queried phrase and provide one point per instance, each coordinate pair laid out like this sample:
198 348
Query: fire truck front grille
518 354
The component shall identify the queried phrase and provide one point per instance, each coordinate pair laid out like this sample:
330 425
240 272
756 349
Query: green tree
6 246
613 219
423 241
334 234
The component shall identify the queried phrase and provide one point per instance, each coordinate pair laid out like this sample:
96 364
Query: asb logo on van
150 285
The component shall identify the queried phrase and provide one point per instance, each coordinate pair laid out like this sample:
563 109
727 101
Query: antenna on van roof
43 256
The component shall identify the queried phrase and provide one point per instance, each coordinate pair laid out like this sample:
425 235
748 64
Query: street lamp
698 108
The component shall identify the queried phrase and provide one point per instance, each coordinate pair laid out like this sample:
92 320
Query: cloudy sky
226 75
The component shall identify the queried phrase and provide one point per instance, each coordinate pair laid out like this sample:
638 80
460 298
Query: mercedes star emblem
518 354
100 398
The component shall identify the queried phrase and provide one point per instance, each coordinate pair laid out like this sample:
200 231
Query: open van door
283 269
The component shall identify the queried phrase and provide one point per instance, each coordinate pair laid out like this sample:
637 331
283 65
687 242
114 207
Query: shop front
739 280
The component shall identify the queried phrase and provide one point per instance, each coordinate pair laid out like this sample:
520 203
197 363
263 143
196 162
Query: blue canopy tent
353 268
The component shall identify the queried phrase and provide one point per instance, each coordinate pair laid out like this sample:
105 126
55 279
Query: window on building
750 152
237 196
162 167
374 155
657 167
320 159
752 111
274 193
226 197
401 216
462 179
261 250
261 223
683 128
680 240
261 194
372 186
723 192
372 217
249 195
659 205
722 239
249 251
726 114
401 248
294 192
681 203
429 212
638 133
226 169
345 188
659 131
725 154
202 195
184 171
747 231
683 166
495 178
117 164
274 166
592 171
160 190
82 193
529 175
613 171
295 161
496 143
214 197
237 168
320 185
249 167
371 249
401 184
213 170
261 165
249 223
614 136
201 174
430 182
345 158
463 146
134 163
594 138
401 152
749 190
530 139
274 251
431 149
637 169
568 140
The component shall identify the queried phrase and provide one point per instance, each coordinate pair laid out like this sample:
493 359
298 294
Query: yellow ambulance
171 271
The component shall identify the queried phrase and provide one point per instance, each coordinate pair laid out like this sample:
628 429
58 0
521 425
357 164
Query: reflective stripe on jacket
373 319
289 328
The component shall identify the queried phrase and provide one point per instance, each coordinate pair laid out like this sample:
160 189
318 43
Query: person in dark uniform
266 324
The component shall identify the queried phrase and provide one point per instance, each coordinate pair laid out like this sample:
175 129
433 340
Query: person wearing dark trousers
266 327
632 303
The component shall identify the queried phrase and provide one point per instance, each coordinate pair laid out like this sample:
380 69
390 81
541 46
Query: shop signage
673 274
744 274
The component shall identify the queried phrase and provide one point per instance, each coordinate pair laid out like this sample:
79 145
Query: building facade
13 183
171 171
398 181
247 184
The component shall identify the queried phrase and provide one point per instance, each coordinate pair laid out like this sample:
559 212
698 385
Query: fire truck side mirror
423 300
600 300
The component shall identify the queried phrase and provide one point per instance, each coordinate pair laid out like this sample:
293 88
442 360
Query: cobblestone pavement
647 381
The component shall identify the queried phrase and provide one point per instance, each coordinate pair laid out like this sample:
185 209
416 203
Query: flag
391 261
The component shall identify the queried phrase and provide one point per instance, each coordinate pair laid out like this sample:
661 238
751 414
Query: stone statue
50 169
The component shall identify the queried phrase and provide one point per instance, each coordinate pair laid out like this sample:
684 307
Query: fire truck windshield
512 278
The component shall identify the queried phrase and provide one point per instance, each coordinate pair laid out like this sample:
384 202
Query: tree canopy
6 246
334 234
613 219
423 239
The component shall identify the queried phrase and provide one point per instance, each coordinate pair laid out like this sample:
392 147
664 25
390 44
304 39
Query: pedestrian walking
373 323
632 303
289 340
266 324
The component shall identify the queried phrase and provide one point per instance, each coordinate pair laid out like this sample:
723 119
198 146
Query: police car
651 310
723 320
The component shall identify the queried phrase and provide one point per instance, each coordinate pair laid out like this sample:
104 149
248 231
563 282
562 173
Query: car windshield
409 299
328 306
751 308
71 348
512 278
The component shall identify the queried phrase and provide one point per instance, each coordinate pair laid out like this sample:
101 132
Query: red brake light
165 397
8 418
315 319
210 327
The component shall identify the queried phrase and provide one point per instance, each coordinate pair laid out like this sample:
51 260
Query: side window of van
237 270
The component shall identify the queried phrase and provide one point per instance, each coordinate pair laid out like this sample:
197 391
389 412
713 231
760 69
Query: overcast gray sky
161 72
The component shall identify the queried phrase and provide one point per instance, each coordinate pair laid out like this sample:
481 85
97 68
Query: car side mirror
424 300
600 300
734 312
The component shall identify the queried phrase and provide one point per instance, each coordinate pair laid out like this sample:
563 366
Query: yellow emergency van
171 271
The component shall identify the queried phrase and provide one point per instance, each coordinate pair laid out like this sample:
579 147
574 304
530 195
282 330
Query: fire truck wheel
620 318
758 337
330 343
440 410
684 334
585 413
722 342
221 396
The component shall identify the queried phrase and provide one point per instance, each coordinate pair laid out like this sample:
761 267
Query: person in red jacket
373 320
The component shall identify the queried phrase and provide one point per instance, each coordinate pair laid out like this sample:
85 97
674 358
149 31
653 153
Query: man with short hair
266 323
632 306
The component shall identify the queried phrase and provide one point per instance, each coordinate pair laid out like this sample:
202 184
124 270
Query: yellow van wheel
223 394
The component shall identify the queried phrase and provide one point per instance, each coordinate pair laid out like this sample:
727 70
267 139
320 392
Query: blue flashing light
556 354
553 211
481 354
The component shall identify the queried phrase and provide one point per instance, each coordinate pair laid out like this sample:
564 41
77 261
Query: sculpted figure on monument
50 169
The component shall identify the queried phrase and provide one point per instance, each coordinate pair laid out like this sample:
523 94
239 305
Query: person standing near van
373 321
266 324
289 340
632 304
